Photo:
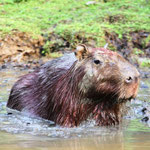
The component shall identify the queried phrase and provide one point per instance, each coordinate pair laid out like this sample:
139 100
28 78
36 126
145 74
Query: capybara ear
81 51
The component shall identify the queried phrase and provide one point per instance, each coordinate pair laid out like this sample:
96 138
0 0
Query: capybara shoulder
93 83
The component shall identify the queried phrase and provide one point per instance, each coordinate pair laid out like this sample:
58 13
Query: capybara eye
96 61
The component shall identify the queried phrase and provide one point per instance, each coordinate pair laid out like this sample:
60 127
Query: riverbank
32 29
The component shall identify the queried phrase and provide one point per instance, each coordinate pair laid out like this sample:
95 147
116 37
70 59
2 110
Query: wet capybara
90 83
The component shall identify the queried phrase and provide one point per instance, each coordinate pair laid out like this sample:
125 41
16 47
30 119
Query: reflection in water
21 132
89 143
137 140
118 141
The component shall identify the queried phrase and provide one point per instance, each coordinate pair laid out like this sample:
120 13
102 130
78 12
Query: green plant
145 63
138 51
67 18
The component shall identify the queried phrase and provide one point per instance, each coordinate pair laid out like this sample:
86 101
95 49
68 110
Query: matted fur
68 91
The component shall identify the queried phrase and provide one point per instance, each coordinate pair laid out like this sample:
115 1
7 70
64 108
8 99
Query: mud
137 42
18 131
19 46
128 45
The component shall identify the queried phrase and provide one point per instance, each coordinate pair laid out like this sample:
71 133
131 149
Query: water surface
21 132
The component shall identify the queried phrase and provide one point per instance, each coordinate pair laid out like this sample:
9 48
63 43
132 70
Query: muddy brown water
20 132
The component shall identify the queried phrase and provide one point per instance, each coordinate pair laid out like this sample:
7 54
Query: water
21 132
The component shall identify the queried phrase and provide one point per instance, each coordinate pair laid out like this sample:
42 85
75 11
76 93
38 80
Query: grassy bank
71 16
75 20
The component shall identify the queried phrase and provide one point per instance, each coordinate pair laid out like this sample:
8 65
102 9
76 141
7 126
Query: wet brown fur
70 95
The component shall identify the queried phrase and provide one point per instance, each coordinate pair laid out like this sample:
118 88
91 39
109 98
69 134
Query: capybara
89 83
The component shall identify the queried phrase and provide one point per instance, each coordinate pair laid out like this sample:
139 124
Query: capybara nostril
129 79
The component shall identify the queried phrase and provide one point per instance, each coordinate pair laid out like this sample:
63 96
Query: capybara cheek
86 83
132 90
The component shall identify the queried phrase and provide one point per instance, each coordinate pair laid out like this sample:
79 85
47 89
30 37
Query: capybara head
107 75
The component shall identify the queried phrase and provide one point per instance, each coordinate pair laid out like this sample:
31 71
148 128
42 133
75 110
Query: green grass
145 63
67 17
